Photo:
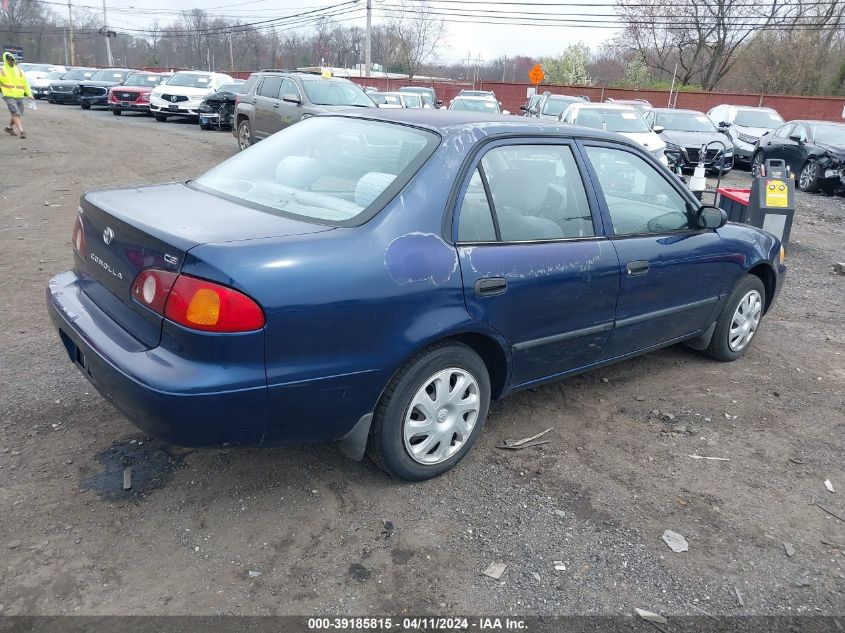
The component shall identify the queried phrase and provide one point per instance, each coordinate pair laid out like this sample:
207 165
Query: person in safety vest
15 89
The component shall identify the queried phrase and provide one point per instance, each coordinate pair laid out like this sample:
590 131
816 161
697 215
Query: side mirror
724 124
796 137
291 98
438 103
523 108
710 217
658 129
534 111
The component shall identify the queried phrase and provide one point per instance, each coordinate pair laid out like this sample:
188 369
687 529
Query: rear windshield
190 81
685 121
333 170
612 120
767 119
139 79
335 93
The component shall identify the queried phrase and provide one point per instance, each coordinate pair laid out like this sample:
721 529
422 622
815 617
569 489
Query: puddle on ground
152 465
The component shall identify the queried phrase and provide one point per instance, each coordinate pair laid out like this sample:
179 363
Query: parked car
623 119
744 125
551 107
477 104
529 108
95 91
278 99
182 94
41 86
815 150
218 110
640 104
429 95
133 95
35 72
358 277
477 93
685 132
396 99
66 89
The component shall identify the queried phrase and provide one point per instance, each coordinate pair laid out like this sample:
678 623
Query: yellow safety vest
12 82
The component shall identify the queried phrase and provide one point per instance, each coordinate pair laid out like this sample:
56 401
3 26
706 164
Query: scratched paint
535 260
420 258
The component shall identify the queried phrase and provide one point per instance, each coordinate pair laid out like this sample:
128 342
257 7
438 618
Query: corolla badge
108 235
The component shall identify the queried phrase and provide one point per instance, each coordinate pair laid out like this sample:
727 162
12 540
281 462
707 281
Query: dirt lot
330 535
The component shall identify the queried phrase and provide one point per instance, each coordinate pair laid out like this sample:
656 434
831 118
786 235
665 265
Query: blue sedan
377 278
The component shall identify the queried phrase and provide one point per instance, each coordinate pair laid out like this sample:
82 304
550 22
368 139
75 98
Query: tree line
765 46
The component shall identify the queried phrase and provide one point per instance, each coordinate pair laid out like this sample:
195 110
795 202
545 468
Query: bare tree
417 32
702 36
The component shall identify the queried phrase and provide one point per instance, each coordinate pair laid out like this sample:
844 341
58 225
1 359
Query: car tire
808 177
745 305
392 440
205 127
245 138
85 106
160 118
757 161
116 112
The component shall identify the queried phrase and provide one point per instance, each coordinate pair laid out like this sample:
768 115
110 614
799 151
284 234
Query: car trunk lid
129 230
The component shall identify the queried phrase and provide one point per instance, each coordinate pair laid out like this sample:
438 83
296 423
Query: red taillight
196 303
78 237
152 287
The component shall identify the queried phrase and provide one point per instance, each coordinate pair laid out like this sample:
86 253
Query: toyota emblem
108 235
173 98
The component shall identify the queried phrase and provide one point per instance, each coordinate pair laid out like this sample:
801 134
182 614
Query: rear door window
270 87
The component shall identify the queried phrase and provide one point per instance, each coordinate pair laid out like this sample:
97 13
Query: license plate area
173 107
124 104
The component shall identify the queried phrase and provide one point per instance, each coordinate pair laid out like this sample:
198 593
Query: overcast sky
485 40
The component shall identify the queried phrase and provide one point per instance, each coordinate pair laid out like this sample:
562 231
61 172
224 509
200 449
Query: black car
217 110
814 150
95 91
685 132
66 89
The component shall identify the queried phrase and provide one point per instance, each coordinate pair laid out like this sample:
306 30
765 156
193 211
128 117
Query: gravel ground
329 535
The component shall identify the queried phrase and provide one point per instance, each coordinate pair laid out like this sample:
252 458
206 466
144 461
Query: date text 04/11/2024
420 623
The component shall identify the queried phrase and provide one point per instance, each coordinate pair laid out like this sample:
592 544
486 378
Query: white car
41 86
477 104
183 93
622 119
34 72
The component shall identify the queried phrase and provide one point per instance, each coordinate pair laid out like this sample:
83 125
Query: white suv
183 93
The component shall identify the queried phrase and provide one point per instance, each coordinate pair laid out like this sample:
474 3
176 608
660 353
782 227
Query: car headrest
523 189
370 187
298 171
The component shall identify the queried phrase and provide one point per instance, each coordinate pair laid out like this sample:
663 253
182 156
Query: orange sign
536 75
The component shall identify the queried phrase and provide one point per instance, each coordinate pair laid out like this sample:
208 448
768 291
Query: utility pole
232 54
108 40
70 28
368 41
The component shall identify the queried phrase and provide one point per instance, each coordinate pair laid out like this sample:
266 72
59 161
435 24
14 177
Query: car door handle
637 268
490 286
275 105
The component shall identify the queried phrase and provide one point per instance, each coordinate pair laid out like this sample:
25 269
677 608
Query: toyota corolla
377 278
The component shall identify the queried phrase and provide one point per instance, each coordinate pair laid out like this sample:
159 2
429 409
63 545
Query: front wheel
757 164
244 135
85 106
160 118
431 412
739 320
808 177
116 112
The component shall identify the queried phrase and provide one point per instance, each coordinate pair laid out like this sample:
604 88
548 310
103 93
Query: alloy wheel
441 416
244 140
807 175
756 164
745 320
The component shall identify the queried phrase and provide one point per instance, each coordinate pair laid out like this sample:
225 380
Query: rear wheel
244 134
757 162
739 320
808 177
160 118
431 412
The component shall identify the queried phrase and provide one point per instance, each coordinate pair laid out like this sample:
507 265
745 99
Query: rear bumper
179 400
